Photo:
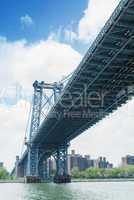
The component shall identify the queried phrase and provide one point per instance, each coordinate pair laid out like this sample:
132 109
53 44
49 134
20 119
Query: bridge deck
108 66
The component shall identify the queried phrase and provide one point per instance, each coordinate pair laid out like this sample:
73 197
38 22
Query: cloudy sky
45 40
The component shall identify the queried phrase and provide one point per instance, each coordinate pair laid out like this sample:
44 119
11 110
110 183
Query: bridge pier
17 169
32 161
18 172
32 175
33 149
44 170
61 159
37 166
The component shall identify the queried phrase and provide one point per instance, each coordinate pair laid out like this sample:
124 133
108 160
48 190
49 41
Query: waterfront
73 191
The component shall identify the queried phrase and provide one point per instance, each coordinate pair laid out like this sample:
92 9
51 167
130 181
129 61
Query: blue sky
45 40
47 15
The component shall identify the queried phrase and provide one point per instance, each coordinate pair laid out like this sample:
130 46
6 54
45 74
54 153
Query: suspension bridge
103 81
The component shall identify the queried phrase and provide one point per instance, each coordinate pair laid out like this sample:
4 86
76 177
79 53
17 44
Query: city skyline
85 161
29 40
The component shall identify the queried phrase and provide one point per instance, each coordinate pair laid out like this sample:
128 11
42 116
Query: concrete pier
62 179
32 179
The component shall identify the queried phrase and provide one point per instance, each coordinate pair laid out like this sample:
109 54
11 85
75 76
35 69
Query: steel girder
61 159
32 169
108 65
44 166
40 100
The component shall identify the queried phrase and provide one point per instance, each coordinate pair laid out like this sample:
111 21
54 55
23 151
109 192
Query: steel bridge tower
38 166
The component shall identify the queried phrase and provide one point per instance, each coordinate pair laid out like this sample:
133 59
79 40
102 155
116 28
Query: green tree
91 173
75 173
3 173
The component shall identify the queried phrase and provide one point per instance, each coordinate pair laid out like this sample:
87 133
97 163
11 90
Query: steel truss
61 160
44 166
40 101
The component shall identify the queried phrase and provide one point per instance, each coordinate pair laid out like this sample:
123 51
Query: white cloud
13 123
23 63
26 20
112 137
70 36
56 35
94 18
50 60
47 60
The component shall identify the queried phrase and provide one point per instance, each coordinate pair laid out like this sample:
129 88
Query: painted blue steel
116 52
98 40
61 160
36 111
44 165
108 66
32 168
44 169
32 148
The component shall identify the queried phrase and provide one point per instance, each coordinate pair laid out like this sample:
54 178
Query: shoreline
104 180
12 181
79 180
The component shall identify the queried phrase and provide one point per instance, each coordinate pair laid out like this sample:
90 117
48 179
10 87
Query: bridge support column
44 169
33 150
61 158
17 171
32 175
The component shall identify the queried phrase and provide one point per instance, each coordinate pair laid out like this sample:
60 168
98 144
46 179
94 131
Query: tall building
82 162
101 162
78 161
127 160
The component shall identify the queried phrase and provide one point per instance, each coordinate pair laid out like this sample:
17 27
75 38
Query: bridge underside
106 71
103 81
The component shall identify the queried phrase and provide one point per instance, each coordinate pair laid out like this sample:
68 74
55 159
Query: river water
72 191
